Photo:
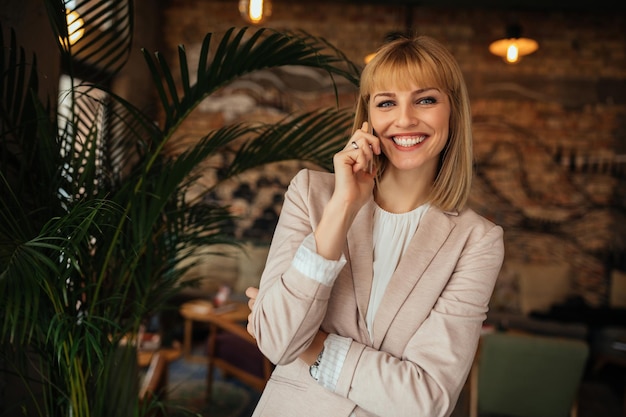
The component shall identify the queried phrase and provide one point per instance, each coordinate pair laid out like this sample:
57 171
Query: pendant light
255 11
514 46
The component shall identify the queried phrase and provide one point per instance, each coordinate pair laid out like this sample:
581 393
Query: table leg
187 338
210 360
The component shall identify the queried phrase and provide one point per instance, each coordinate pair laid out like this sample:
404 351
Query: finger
249 328
252 292
354 157
364 160
357 136
372 140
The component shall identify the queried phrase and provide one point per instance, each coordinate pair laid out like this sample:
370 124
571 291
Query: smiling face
412 123
414 90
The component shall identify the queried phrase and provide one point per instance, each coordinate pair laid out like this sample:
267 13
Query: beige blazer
426 329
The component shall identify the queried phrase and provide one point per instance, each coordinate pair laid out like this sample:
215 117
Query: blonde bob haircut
423 61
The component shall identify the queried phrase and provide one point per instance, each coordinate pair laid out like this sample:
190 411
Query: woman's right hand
354 168
354 183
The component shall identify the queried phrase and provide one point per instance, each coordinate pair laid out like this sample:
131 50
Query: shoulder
469 216
310 191
308 175
313 182
471 236
466 216
469 221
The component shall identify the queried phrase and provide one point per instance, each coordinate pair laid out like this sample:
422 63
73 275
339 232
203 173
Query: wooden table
227 317
230 318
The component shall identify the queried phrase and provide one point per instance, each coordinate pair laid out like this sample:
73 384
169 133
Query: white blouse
392 234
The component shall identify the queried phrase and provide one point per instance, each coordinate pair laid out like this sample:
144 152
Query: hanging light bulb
255 11
512 53
513 47
75 26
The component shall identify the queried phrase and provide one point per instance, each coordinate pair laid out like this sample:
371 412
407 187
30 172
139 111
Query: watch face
314 370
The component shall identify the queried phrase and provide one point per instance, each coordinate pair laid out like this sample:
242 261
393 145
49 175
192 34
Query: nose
407 116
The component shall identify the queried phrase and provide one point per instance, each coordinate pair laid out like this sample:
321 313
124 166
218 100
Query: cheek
443 138
379 124
446 132
442 124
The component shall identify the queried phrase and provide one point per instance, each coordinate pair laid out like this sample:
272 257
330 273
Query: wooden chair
234 351
154 380
524 375
153 383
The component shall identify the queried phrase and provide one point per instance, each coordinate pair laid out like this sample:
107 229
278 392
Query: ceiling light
255 11
513 47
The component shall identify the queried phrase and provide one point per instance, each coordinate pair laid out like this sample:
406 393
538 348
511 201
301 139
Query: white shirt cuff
309 263
335 351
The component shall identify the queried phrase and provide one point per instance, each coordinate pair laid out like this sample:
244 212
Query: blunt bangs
390 67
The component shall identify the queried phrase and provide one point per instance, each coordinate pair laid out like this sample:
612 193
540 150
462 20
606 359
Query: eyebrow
391 94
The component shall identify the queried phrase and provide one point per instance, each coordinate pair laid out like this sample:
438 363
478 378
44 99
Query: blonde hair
426 62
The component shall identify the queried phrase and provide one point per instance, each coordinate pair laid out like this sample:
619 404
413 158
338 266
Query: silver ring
354 145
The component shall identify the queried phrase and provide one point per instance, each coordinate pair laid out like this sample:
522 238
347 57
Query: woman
377 280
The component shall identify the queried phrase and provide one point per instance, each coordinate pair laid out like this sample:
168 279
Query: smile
408 141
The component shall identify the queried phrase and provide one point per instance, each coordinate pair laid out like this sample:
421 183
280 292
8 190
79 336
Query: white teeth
408 141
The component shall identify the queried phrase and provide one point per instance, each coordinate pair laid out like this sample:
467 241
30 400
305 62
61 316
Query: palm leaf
315 137
234 58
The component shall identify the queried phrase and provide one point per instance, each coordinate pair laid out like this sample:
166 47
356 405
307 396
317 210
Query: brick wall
548 131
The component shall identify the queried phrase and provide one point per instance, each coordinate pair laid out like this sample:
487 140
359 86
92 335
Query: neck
400 192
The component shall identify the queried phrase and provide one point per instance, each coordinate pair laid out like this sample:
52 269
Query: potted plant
95 218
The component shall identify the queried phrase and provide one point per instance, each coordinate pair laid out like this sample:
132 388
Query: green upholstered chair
522 375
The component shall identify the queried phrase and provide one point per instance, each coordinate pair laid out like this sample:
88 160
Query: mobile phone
370 130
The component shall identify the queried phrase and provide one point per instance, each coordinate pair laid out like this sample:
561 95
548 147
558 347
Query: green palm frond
314 137
238 54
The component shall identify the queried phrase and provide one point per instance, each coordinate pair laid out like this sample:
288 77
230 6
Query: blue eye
387 103
427 100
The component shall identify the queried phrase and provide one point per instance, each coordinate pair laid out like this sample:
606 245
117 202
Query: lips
408 141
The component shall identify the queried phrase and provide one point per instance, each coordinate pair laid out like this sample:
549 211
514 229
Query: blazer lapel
361 256
431 234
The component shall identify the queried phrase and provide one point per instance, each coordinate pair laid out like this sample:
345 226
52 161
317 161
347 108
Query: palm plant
88 250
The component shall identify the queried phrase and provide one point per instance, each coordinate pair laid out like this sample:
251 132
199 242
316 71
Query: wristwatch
314 369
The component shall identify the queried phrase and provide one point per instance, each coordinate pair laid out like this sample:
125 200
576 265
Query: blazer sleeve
426 376
290 306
